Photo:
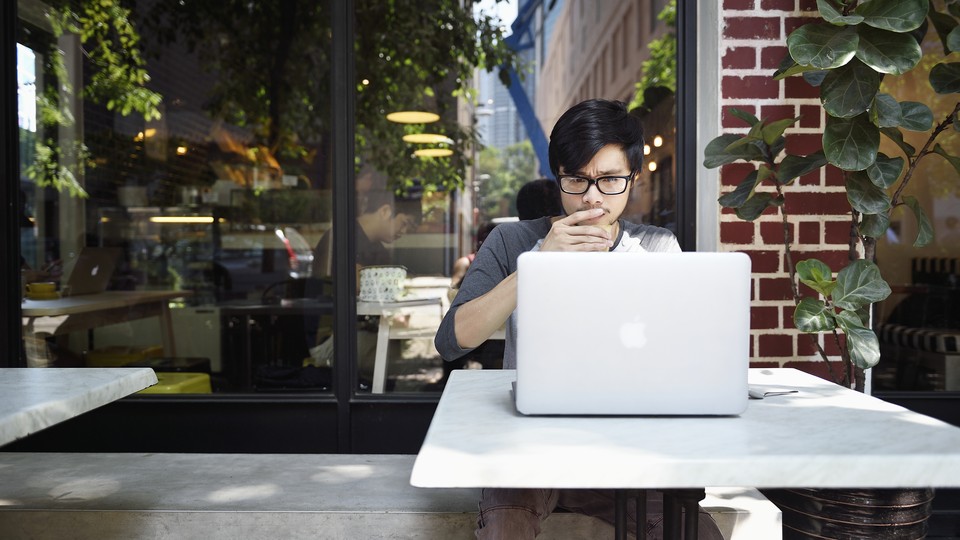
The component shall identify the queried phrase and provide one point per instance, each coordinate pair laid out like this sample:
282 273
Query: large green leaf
945 78
885 170
847 319
864 196
915 116
715 154
772 131
886 111
943 24
896 136
737 197
924 227
816 275
833 15
859 284
812 315
874 225
887 52
953 40
789 67
863 346
754 206
894 15
849 90
953 160
815 77
823 46
851 143
796 166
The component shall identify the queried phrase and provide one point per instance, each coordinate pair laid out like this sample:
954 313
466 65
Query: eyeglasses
608 185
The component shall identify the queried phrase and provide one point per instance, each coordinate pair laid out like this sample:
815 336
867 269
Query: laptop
92 271
632 333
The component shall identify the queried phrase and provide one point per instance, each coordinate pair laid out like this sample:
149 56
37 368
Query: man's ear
385 212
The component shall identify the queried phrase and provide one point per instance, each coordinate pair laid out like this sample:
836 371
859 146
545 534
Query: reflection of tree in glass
116 77
508 170
273 65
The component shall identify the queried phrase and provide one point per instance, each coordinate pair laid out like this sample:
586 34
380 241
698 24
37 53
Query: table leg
380 360
166 330
620 514
686 501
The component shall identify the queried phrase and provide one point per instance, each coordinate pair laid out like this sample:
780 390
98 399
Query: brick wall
753 43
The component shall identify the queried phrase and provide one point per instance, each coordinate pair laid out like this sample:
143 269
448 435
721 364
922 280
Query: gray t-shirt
497 259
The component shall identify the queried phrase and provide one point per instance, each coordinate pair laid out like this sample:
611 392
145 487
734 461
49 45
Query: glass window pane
172 211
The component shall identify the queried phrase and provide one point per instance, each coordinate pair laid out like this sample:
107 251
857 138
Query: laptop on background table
632 333
92 271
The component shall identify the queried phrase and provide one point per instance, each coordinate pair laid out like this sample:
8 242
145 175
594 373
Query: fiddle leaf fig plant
848 52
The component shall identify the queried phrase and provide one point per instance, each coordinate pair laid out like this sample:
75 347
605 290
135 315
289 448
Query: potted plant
848 52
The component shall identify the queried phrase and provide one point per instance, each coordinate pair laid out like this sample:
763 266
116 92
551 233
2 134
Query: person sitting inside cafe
596 152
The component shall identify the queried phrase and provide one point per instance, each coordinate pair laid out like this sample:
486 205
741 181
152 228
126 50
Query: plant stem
895 200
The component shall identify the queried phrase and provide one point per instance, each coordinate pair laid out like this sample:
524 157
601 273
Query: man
382 220
596 151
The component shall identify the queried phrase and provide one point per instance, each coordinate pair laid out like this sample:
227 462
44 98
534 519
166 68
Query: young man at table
596 152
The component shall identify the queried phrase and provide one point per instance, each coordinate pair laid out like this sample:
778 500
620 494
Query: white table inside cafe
37 398
387 331
822 436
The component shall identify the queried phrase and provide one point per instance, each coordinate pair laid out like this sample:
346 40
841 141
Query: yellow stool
179 383
120 355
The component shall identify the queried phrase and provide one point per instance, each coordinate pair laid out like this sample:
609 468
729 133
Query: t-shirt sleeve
485 272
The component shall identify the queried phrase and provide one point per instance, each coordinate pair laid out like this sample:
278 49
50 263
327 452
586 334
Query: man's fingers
581 215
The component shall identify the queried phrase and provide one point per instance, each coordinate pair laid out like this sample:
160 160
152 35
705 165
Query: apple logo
633 334
95 269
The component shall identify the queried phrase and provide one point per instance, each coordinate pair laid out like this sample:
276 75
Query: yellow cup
41 290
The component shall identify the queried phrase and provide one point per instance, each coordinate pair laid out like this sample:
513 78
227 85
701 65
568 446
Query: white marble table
822 436
386 331
32 399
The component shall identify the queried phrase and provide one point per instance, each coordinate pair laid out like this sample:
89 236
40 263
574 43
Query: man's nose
592 195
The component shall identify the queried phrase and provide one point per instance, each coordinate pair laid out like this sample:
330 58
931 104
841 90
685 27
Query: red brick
835 259
764 262
787 313
808 5
732 174
764 317
810 116
766 364
738 4
751 87
802 144
736 232
819 369
817 204
836 232
775 289
812 178
830 344
772 232
777 112
752 346
752 28
834 176
792 23
806 343
740 58
798 88
784 5
809 232
730 121
771 57
775 345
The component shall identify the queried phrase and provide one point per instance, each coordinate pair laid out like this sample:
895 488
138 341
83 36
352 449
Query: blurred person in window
539 198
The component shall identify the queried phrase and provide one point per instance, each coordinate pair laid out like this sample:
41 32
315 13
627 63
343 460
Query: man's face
609 161
401 224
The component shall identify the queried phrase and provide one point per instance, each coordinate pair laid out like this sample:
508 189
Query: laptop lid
632 333
92 271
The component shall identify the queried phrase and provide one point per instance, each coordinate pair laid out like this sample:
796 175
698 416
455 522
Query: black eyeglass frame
594 182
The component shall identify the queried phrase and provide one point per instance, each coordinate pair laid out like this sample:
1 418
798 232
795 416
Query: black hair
589 126
539 198
375 199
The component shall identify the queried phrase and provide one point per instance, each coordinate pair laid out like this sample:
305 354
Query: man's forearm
479 318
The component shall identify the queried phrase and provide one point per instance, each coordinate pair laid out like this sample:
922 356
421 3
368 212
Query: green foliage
848 54
508 170
117 78
660 70
274 74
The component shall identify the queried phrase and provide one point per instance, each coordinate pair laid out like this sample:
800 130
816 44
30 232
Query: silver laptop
632 333
92 271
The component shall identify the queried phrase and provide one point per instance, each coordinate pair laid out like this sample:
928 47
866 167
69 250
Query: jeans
514 514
